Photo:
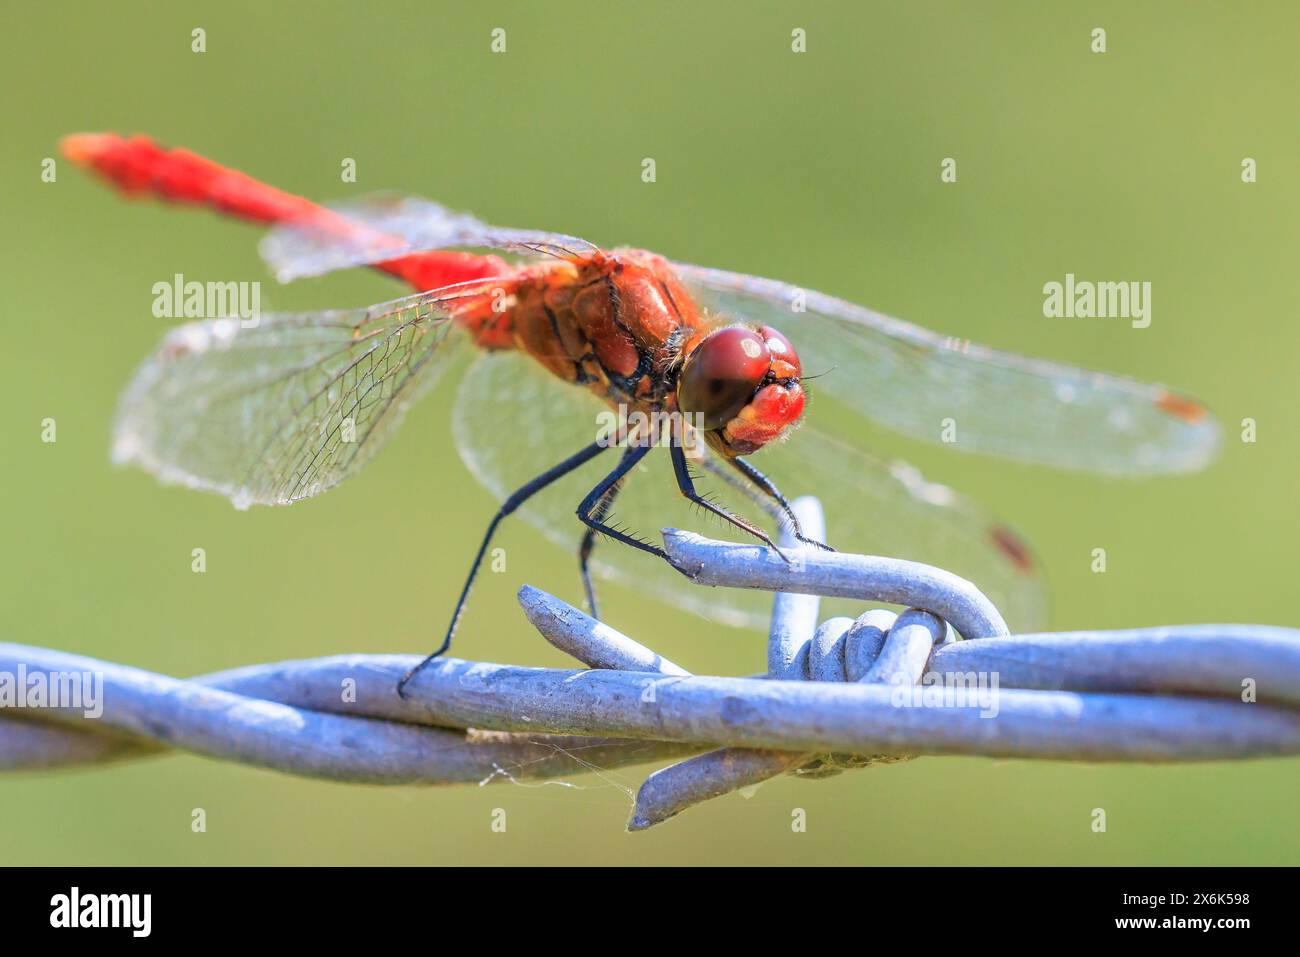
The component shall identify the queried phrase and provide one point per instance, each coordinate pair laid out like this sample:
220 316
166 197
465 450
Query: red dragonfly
283 410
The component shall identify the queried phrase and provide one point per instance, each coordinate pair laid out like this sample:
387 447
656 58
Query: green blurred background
820 168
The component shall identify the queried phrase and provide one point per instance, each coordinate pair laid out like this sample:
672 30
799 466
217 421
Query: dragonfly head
740 384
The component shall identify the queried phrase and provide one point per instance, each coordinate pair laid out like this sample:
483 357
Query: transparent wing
385 226
283 410
912 380
872 506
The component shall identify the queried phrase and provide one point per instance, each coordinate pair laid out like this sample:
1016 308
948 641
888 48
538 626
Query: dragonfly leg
593 515
523 494
589 542
768 488
686 483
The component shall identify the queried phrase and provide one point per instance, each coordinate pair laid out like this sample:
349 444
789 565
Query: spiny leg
591 515
711 464
589 543
686 483
523 494
768 488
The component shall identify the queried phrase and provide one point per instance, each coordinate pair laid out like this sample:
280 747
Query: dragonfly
577 349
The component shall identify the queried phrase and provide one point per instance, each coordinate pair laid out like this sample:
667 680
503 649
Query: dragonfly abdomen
139 166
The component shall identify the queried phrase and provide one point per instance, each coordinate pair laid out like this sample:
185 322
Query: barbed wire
841 694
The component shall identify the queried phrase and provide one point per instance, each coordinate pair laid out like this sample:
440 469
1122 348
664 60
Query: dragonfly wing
913 380
384 226
284 409
872 506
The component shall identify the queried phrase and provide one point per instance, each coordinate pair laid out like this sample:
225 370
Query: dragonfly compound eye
721 375
783 353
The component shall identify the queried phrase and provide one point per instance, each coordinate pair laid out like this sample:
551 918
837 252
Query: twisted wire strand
834 696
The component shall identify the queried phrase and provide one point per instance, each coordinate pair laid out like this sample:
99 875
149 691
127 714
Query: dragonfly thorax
622 324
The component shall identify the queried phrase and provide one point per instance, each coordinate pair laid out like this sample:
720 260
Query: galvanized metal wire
840 694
